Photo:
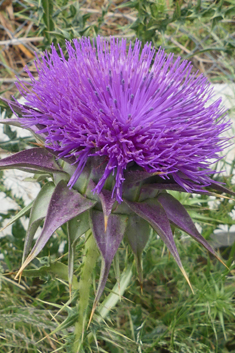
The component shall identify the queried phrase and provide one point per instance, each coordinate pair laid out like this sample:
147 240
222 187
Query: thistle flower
119 127
147 109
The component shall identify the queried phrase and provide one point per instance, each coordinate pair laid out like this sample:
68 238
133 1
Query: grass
38 315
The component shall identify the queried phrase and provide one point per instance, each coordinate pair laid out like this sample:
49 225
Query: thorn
20 278
106 218
222 262
158 173
221 196
27 261
141 288
140 273
187 279
39 144
92 313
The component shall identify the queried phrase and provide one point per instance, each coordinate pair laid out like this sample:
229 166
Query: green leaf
118 290
47 17
57 269
38 212
18 215
18 230
129 4
7 131
76 227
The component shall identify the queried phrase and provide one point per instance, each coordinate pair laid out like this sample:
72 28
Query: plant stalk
91 255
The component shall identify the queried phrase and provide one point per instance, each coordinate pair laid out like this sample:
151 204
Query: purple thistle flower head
126 105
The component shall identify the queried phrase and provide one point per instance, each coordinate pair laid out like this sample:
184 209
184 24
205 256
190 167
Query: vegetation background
37 315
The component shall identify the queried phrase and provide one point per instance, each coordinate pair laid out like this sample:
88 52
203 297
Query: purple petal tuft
128 106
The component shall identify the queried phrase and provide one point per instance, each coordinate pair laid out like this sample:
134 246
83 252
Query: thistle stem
89 261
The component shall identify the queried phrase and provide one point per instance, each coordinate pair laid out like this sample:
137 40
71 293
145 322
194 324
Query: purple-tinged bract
127 105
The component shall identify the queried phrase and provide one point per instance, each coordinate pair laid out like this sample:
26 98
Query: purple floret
108 99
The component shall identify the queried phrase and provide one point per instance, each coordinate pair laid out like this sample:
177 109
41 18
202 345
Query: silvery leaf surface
107 241
65 204
37 214
31 159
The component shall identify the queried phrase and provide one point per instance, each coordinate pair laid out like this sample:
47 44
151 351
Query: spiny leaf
153 212
65 204
58 269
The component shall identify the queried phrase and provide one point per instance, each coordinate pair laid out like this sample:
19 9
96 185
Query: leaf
76 227
118 290
108 243
47 17
129 4
137 234
152 211
58 269
13 122
177 214
65 204
18 215
7 131
38 212
32 159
